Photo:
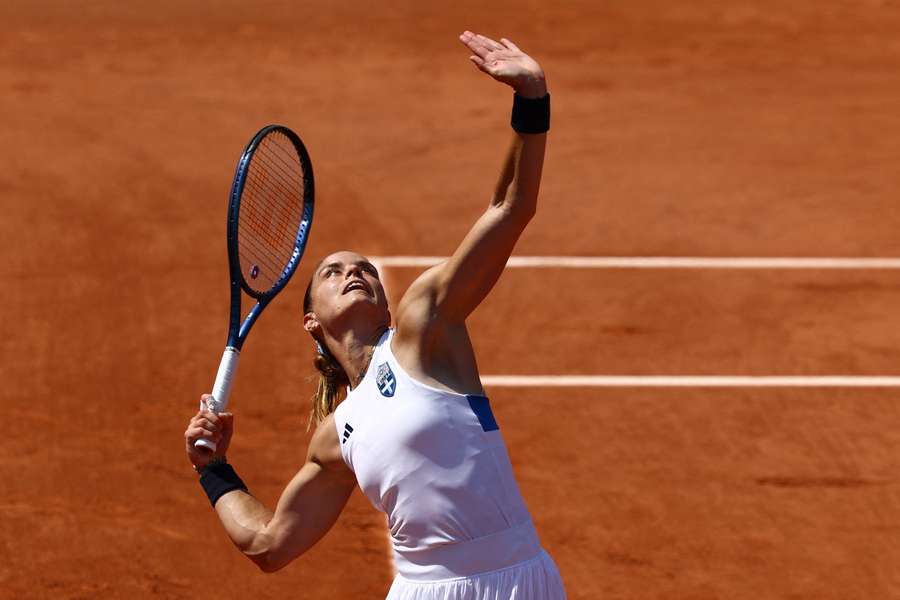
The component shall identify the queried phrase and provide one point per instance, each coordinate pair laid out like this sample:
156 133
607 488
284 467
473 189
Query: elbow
520 214
267 567
519 205
264 552
267 562
275 547
272 558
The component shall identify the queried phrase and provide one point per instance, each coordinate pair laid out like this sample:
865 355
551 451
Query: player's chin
358 294
361 299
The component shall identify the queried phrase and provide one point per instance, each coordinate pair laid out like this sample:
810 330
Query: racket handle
221 389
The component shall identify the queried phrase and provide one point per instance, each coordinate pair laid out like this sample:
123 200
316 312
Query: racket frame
239 329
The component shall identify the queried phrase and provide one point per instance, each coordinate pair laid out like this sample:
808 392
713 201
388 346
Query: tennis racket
270 213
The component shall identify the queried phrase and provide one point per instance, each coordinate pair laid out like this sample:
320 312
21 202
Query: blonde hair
332 378
330 389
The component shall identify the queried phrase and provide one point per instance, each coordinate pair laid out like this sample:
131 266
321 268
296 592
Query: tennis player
415 432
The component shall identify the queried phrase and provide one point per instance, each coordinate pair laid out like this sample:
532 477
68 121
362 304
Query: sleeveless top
435 463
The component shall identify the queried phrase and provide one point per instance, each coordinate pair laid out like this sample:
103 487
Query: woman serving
415 432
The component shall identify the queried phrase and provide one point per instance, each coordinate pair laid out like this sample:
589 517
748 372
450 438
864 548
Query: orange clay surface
706 128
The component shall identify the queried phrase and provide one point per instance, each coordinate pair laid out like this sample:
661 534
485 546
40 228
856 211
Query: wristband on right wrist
531 115
217 479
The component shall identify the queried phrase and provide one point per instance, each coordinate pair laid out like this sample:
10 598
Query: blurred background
709 129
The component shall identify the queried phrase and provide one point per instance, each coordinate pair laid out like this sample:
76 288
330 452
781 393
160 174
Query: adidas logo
347 431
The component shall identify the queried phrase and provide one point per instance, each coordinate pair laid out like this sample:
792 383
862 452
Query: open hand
505 62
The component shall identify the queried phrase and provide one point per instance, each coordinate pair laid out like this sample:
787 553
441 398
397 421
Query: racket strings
264 249
271 211
278 186
267 241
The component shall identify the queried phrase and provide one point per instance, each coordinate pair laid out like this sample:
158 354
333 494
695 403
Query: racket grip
221 389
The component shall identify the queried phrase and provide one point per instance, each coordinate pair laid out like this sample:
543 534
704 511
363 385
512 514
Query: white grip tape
221 388
224 378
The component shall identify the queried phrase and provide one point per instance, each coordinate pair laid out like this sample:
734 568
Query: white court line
816 381
660 262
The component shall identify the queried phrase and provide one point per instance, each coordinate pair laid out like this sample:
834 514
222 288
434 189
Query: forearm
308 507
243 516
306 510
520 178
270 542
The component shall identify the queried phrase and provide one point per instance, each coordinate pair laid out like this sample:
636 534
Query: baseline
717 381
660 262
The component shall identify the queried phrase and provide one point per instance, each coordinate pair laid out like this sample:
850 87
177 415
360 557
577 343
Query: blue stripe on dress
482 409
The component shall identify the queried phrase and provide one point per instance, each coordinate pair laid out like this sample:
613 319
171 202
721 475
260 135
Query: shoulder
325 446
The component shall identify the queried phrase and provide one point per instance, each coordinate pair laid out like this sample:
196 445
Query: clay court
704 129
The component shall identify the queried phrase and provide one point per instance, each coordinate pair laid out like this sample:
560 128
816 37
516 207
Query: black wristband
218 479
531 115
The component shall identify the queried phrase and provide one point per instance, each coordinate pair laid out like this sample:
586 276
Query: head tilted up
344 308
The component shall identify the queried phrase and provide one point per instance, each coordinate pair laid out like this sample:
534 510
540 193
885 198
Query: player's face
344 281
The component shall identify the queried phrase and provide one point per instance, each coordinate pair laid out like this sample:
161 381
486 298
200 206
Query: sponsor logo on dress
385 380
347 431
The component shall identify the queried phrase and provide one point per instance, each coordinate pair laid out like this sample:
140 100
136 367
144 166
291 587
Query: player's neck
354 351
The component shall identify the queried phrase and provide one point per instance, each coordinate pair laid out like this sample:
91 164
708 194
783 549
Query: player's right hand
209 426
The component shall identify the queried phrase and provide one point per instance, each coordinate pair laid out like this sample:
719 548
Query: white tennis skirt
535 579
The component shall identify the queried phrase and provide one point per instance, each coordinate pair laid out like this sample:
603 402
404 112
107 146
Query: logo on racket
385 380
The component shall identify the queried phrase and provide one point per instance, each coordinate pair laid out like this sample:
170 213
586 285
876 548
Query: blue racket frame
237 330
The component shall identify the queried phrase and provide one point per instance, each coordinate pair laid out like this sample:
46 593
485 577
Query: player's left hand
505 62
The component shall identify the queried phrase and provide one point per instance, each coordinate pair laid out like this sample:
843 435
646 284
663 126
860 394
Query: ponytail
332 382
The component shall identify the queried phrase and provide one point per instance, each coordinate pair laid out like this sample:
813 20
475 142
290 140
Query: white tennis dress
435 463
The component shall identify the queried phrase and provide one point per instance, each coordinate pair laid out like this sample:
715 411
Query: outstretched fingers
489 43
471 41
479 45
509 45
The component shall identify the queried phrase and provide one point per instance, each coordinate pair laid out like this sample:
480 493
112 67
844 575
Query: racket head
270 212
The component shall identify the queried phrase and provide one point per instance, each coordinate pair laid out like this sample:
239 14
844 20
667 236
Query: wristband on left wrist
531 115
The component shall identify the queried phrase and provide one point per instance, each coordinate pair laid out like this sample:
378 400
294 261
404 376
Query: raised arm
308 507
453 289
